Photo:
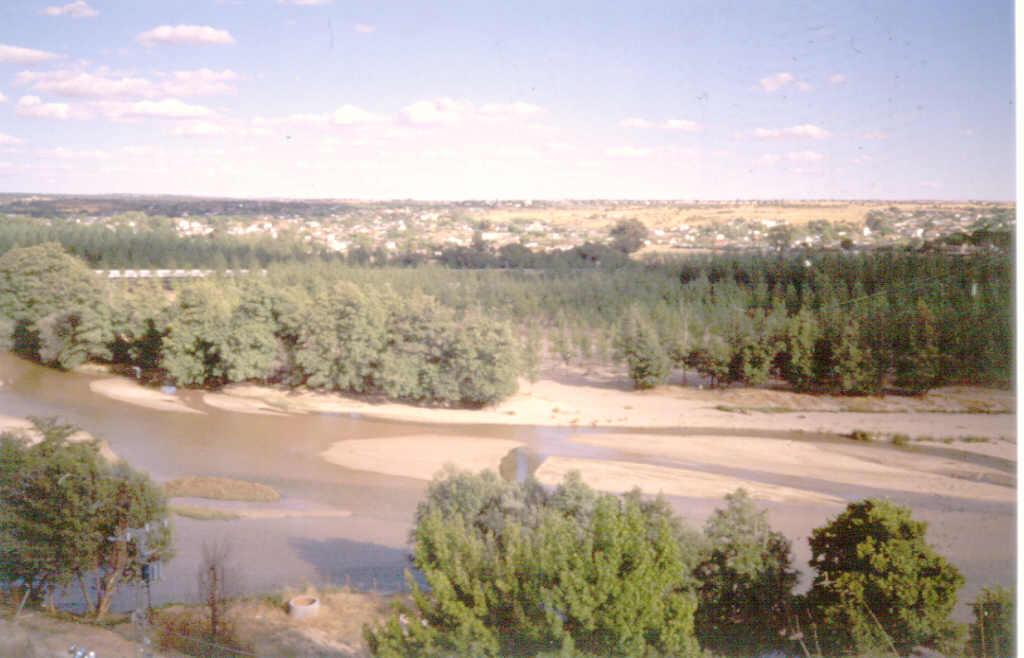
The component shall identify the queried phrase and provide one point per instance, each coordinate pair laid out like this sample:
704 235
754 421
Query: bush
879 584
992 633
515 570
900 439
861 435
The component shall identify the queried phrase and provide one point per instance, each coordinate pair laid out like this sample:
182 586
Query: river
369 549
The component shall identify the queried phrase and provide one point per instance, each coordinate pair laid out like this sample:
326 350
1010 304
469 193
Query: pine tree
917 366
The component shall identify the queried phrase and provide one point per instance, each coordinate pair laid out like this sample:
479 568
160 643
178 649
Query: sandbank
419 456
851 464
622 476
599 403
240 405
125 390
24 428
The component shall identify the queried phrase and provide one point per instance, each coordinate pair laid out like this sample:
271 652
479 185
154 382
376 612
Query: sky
754 99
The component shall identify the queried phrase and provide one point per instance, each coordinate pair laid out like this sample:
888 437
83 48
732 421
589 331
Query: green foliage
639 345
60 501
797 366
879 583
992 634
514 570
198 334
746 582
628 235
917 363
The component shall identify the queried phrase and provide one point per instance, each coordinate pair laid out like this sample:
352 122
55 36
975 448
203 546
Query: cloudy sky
685 100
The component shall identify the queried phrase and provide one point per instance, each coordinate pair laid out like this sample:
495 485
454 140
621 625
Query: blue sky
672 100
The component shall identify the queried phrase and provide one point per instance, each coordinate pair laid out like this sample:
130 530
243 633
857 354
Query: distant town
427 228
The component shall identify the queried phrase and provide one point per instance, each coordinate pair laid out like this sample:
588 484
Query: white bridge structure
171 274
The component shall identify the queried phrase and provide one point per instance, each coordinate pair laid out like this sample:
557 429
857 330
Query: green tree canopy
746 582
60 503
513 570
879 583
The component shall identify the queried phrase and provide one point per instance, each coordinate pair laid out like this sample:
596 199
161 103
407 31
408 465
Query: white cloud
804 156
33 106
185 34
167 108
3 99
803 130
684 125
199 82
876 135
199 129
635 122
83 84
77 9
350 115
364 28
18 55
776 81
61 153
509 110
8 140
628 152
804 86
837 79
437 111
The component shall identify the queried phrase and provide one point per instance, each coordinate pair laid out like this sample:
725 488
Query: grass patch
204 513
861 435
900 439
974 439
220 489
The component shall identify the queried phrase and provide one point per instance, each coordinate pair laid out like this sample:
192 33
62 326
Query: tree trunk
89 606
213 600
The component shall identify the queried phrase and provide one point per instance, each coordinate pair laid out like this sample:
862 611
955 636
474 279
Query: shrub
861 435
900 439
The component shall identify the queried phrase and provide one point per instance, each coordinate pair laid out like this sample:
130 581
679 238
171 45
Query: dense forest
850 323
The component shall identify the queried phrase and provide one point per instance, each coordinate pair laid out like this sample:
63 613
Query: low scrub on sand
220 489
204 513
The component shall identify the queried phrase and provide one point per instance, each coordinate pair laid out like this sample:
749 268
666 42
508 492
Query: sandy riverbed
126 390
419 456
24 428
553 403
850 464
622 476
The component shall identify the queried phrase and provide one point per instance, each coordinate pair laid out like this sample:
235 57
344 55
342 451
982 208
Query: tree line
514 569
843 323
323 332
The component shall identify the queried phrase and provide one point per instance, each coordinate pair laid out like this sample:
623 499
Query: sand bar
591 403
125 390
622 476
419 456
240 405
852 464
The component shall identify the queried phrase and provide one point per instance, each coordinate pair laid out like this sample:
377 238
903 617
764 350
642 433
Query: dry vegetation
220 489
663 215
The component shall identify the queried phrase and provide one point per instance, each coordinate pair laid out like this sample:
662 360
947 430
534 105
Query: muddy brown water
369 549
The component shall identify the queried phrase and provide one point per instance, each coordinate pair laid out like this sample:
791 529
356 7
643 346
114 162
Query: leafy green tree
639 345
797 355
917 363
341 340
45 282
482 359
60 503
992 634
513 570
628 235
251 345
197 335
879 584
68 338
746 582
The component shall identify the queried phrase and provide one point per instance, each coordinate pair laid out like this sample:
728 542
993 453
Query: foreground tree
879 584
992 633
513 570
628 235
65 512
746 582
